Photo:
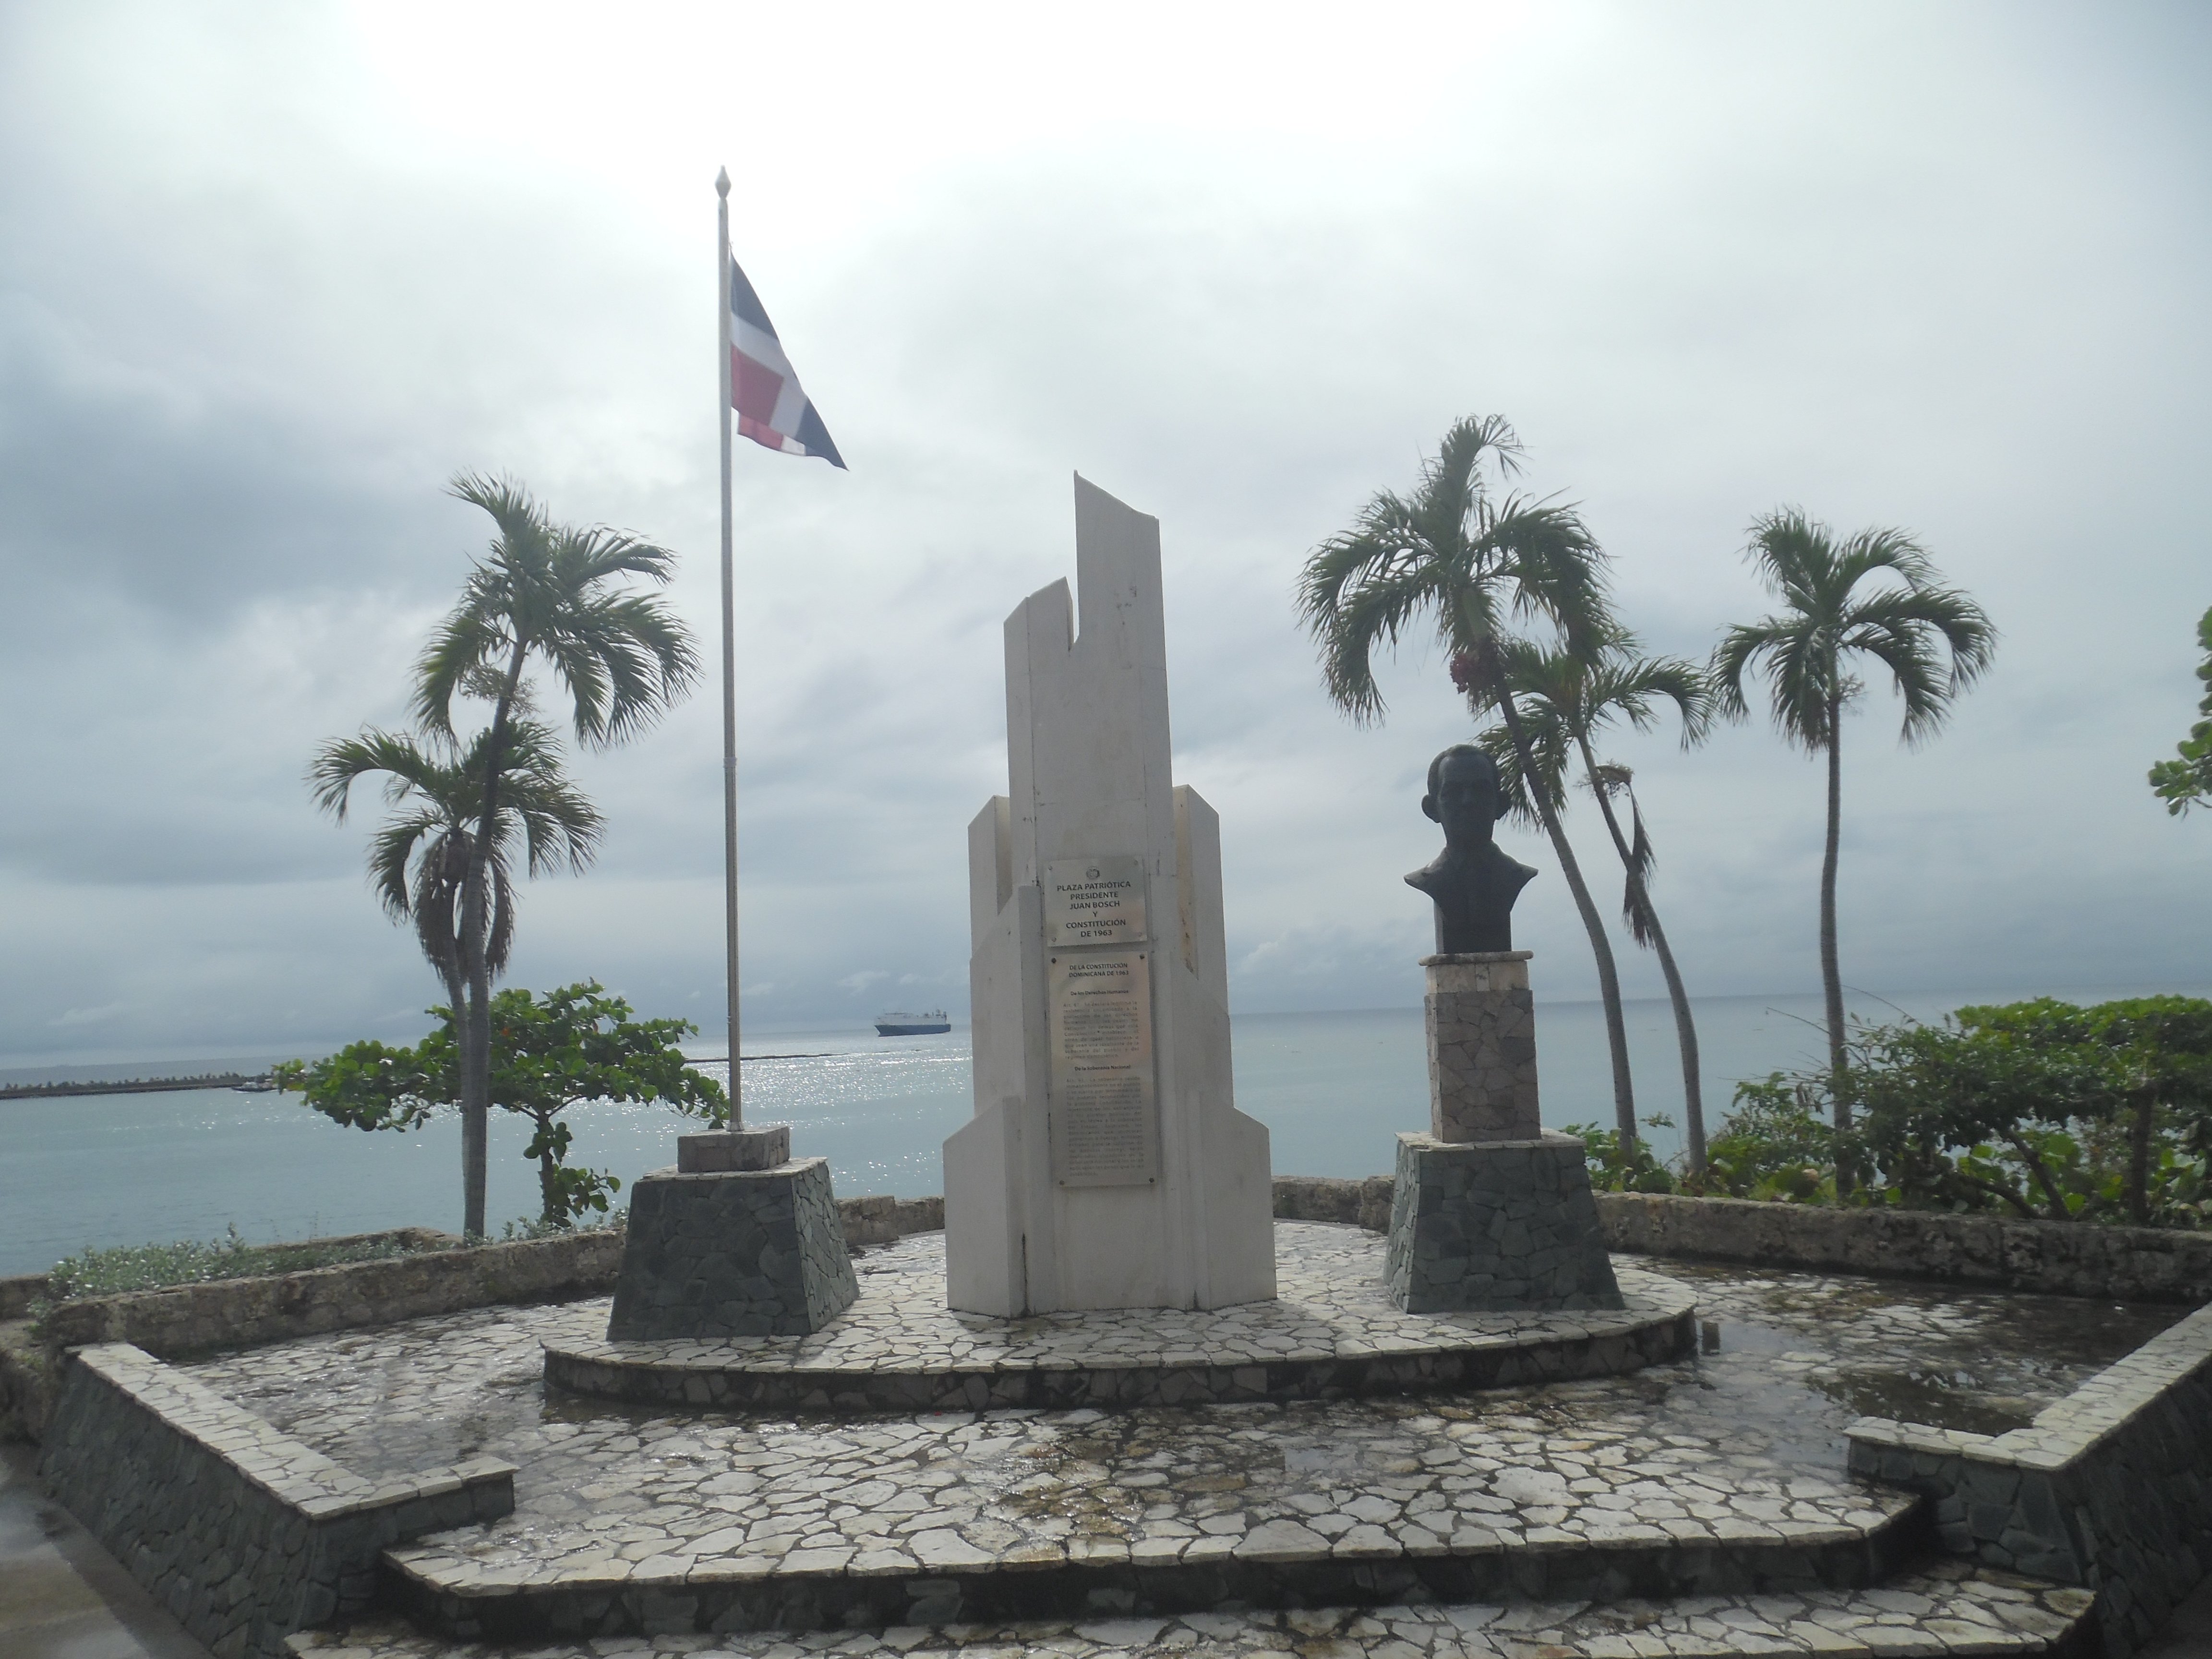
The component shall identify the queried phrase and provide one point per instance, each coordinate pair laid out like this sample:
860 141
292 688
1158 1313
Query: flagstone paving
1733 1460
1948 1609
1332 1331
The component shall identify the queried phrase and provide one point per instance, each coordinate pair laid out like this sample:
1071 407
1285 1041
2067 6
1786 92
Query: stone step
1672 1480
1945 1609
1333 1333
1276 1564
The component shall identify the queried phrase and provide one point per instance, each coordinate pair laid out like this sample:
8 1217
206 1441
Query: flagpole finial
722 184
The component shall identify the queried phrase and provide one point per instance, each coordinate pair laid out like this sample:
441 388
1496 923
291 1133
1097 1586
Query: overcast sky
270 274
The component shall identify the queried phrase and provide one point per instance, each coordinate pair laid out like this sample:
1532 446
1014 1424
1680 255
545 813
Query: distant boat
900 1025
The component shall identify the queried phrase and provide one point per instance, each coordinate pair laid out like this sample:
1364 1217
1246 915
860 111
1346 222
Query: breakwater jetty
137 1085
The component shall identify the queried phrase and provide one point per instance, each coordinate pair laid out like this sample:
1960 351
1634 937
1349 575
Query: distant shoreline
247 1082
244 1082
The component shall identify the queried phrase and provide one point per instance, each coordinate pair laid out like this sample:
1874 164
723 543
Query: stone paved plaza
1720 1477
1331 1330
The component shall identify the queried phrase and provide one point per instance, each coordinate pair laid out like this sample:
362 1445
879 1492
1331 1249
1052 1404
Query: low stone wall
237 1313
245 1534
26 1383
2125 1264
1331 1198
2058 1258
881 1218
233 1313
2111 1488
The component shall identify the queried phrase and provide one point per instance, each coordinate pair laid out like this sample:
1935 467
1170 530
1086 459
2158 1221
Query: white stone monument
1107 1165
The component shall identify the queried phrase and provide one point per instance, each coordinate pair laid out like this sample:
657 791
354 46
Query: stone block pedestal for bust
1491 1210
1481 1026
1496 1226
730 1243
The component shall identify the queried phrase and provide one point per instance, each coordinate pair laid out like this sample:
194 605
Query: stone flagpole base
738 1239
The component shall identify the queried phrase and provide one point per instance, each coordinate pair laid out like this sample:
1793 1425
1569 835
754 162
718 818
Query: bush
2041 1110
160 1266
1614 1170
525 1227
1775 1145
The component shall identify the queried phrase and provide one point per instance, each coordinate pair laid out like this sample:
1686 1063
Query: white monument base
1107 1165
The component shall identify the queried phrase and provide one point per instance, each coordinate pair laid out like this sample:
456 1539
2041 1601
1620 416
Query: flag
771 409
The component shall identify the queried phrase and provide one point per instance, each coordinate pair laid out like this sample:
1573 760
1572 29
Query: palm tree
548 590
419 861
1934 641
1473 562
1565 701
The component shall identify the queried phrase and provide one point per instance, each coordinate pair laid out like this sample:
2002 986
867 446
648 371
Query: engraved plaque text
1094 902
1105 1104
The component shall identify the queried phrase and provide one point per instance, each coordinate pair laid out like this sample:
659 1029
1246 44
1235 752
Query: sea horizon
1334 1088
117 1063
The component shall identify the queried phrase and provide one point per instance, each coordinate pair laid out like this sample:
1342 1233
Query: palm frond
1514 796
1453 551
1635 900
340 764
1787 649
1839 607
392 852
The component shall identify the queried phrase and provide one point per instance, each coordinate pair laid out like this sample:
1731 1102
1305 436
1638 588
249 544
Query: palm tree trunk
1608 979
476 1030
1831 975
1685 1029
2139 1140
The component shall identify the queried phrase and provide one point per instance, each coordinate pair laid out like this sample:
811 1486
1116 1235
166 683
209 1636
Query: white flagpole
729 666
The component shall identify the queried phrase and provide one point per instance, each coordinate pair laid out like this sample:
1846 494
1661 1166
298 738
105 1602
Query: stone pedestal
1482 1047
1491 1210
1500 1225
732 1252
716 1151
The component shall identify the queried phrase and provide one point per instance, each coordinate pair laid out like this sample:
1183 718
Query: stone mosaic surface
1729 1464
1499 1225
751 1253
2111 1487
1948 1610
1331 1333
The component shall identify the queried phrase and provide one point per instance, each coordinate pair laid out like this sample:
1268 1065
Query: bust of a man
1474 881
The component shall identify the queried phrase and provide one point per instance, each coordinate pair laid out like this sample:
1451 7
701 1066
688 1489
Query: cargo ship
927 1024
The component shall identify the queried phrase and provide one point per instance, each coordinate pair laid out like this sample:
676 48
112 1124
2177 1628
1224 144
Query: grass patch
161 1266
524 1227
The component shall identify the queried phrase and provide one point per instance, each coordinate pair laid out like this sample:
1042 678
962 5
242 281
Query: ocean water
1334 1089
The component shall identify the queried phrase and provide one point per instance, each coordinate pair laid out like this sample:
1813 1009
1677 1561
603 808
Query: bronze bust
1474 881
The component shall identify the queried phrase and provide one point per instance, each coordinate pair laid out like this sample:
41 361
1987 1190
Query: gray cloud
263 289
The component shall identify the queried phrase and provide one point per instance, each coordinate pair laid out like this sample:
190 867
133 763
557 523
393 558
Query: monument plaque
1094 902
1105 1105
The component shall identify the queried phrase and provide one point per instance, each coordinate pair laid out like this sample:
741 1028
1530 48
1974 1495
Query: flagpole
729 663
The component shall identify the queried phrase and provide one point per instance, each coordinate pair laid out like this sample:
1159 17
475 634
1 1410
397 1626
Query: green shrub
1614 1170
2039 1109
160 1266
1774 1144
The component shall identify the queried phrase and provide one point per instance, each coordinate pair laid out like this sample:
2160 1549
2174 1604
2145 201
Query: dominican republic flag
771 409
